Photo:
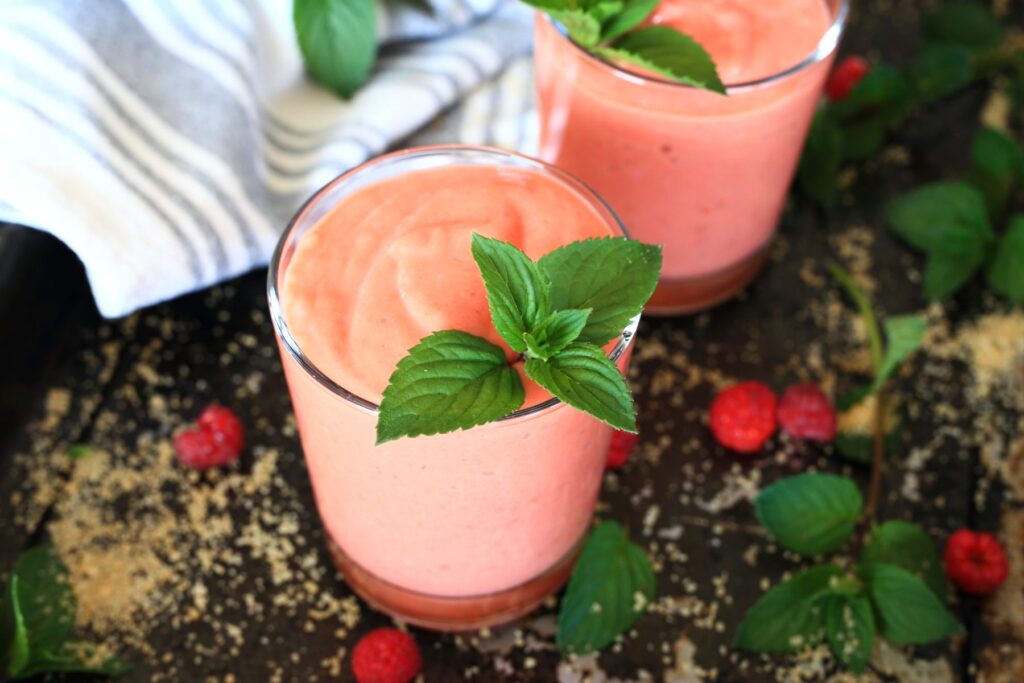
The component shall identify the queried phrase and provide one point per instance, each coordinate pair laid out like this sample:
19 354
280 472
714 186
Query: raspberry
623 443
845 77
386 655
217 440
975 561
742 417
806 413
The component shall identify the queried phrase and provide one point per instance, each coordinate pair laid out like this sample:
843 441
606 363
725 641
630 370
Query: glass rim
827 44
277 317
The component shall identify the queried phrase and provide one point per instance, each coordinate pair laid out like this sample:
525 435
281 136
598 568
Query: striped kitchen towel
168 142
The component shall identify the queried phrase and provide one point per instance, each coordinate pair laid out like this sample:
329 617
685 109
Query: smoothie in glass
702 174
456 530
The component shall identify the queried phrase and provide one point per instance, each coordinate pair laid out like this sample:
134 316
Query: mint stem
864 308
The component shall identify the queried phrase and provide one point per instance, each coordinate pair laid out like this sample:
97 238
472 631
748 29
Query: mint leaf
450 380
948 269
584 29
611 586
969 24
669 53
905 545
47 603
883 95
908 611
77 451
75 657
582 376
789 616
997 165
603 10
630 16
14 643
555 332
850 629
941 70
516 292
810 514
612 276
1006 272
338 41
903 335
940 215
818 173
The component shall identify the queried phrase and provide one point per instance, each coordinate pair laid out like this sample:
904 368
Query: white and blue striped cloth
168 142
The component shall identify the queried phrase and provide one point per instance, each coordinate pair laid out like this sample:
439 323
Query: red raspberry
845 77
623 443
217 440
975 561
806 413
386 655
742 417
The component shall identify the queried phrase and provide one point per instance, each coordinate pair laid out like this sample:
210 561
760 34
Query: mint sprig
609 29
338 41
810 514
556 314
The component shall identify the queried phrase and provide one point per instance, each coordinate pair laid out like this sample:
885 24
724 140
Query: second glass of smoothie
453 531
702 174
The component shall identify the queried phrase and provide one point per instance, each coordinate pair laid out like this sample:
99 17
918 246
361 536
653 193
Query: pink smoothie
702 174
461 514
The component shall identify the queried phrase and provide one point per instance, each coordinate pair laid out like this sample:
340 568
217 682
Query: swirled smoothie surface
391 263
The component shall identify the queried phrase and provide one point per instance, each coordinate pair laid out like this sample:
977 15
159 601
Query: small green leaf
603 10
1006 272
864 138
516 292
450 380
908 611
947 270
611 586
969 24
997 165
47 602
941 70
903 336
77 451
948 215
631 16
612 276
338 41
882 94
75 657
905 545
788 617
669 53
810 513
14 643
582 376
818 174
555 332
850 629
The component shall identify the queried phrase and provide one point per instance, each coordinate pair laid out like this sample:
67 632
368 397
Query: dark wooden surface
210 346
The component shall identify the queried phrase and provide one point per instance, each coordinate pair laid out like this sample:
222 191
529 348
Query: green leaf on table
864 138
969 24
338 41
583 376
450 380
906 545
938 214
789 616
818 173
884 92
1006 272
516 291
668 53
555 332
909 613
631 16
77 451
948 269
997 166
850 629
612 584
810 514
14 643
903 336
76 657
612 276
941 70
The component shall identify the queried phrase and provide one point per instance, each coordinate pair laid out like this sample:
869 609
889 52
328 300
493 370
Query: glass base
440 613
690 295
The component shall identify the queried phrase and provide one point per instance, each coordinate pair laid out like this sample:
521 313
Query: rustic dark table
278 613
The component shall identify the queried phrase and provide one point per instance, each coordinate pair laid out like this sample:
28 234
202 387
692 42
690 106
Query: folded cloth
168 143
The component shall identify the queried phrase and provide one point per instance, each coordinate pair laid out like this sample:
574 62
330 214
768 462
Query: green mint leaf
905 545
947 270
582 376
818 173
611 586
941 70
903 335
14 643
940 215
1006 272
630 16
883 93
669 53
338 41
555 332
788 617
908 611
450 380
77 451
583 24
865 138
969 24
47 602
75 657
810 514
516 292
997 165
850 629
604 10
612 276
